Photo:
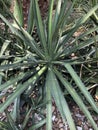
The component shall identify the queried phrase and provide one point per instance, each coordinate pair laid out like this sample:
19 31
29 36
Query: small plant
47 64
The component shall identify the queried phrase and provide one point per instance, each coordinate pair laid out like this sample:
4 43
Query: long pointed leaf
26 118
38 125
49 33
57 13
40 27
65 51
3 48
81 45
16 79
15 114
24 35
68 10
31 20
49 105
20 88
76 26
81 86
18 12
76 97
14 66
11 121
79 23
59 99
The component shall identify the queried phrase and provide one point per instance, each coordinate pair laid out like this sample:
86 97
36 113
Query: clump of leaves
2 7
89 4
47 64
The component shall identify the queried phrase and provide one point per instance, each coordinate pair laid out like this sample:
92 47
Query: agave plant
48 63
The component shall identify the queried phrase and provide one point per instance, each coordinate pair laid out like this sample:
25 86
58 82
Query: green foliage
2 7
47 65
85 5
18 12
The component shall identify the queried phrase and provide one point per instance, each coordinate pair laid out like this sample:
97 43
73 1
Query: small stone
89 124
85 127
90 129
79 128
79 123
61 125
95 118
53 109
61 129
56 119
53 117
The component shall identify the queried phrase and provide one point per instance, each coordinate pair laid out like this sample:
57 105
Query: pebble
61 129
79 123
79 128
59 121
61 125
53 118
56 119
85 127
89 124
53 108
